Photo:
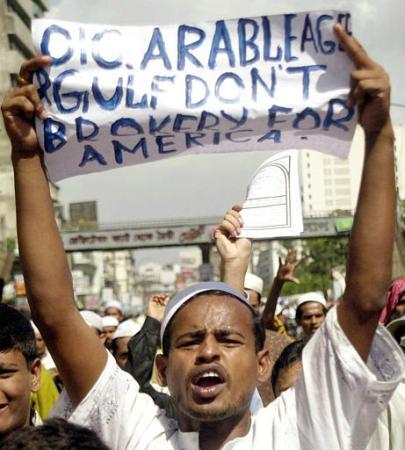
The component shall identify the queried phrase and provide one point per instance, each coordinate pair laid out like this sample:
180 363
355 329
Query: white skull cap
128 328
254 283
92 319
187 294
316 297
113 304
110 321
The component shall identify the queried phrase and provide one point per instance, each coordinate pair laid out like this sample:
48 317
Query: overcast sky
208 185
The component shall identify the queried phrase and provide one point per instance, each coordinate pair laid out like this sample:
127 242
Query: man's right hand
20 107
231 248
286 268
157 305
234 251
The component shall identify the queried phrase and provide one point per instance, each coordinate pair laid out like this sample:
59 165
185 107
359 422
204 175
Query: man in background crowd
311 312
114 308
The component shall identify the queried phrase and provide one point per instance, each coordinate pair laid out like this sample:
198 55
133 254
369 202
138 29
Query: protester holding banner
213 347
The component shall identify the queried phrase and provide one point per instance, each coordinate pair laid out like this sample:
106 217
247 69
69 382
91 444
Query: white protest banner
273 204
117 96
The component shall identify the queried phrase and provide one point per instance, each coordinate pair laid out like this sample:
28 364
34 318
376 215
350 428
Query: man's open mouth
207 384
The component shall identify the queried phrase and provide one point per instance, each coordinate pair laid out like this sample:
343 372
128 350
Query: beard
213 412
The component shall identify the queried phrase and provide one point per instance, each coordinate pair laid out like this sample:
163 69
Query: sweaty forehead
210 312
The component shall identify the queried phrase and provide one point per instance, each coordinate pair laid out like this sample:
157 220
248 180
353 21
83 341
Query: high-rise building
15 48
330 184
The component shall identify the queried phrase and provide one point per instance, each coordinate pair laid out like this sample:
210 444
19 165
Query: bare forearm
49 284
370 252
233 273
271 304
46 271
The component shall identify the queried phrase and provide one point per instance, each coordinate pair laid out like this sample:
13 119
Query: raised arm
142 349
234 252
143 346
285 273
77 351
369 263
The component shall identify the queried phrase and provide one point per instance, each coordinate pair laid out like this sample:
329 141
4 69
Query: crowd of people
213 367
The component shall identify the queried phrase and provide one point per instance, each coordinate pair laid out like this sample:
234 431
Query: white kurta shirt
333 406
390 431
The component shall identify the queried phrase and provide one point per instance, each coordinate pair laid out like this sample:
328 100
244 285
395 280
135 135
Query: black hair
298 312
399 333
16 333
257 324
291 354
53 434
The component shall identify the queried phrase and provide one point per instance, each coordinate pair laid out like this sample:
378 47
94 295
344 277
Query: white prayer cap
187 294
92 319
113 304
316 297
254 283
128 328
34 327
110 321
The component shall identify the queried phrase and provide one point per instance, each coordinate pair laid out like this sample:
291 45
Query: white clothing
36 420
390 431
48 362
256 402
159 388
333 406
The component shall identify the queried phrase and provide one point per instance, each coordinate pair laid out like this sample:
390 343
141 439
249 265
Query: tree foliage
315 272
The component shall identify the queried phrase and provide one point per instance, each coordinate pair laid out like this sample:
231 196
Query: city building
15 48
88 277
330 184
119 273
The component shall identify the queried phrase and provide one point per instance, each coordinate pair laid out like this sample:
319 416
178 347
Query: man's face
254 300
40 344
108 332
17 380
115 312
121 352
212 368
312 317
287 377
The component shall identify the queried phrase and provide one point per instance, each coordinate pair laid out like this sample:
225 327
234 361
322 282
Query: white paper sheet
273 204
